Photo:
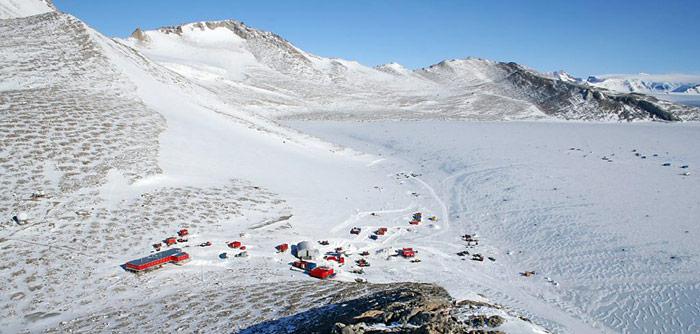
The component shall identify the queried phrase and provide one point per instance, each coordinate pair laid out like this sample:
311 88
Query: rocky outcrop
397 308
139 35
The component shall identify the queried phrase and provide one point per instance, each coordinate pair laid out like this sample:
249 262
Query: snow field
616 237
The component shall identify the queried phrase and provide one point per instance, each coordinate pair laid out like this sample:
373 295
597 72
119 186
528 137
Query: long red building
155 261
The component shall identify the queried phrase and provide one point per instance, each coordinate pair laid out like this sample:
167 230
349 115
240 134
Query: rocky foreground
394 308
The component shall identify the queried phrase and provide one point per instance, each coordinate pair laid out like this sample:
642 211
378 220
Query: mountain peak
393 68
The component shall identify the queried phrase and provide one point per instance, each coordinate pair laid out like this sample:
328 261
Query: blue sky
581 37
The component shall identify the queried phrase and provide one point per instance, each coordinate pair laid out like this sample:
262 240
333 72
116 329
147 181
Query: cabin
157 260
321 272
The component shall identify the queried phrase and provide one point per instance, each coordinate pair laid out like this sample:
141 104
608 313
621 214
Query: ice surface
617 235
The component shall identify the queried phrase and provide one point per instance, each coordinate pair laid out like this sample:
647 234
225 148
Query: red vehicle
414 222
362 263
235 244
183 232
170 241
336 258
155 261
321 272
407 252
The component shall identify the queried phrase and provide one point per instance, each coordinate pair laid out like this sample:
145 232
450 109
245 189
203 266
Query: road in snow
611 234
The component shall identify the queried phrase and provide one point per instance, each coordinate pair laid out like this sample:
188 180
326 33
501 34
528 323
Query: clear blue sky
582 37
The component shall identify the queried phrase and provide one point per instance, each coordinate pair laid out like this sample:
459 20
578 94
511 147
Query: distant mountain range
673 87
263 71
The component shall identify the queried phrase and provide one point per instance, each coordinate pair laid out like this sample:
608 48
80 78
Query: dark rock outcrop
401 308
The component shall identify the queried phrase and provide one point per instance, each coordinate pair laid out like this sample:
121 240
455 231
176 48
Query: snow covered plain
615 231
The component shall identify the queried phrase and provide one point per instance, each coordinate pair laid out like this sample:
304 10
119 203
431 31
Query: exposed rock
398 308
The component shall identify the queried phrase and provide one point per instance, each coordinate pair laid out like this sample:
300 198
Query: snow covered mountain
108 149
105 153
263 71
648 83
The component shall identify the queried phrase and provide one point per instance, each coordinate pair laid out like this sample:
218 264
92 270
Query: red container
321 272
235 244
170 241
282 248
407 252
183 232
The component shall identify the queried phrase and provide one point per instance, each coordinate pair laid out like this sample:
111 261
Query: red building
155 261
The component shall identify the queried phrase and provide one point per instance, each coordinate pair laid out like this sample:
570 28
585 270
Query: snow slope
22 8
262 71
105 166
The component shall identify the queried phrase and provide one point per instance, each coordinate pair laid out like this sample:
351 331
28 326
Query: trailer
157 260
304 265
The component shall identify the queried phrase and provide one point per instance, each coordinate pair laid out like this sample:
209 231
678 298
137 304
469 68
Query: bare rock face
139 35
400 308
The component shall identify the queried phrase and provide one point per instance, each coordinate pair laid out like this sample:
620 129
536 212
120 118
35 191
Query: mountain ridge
298 84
